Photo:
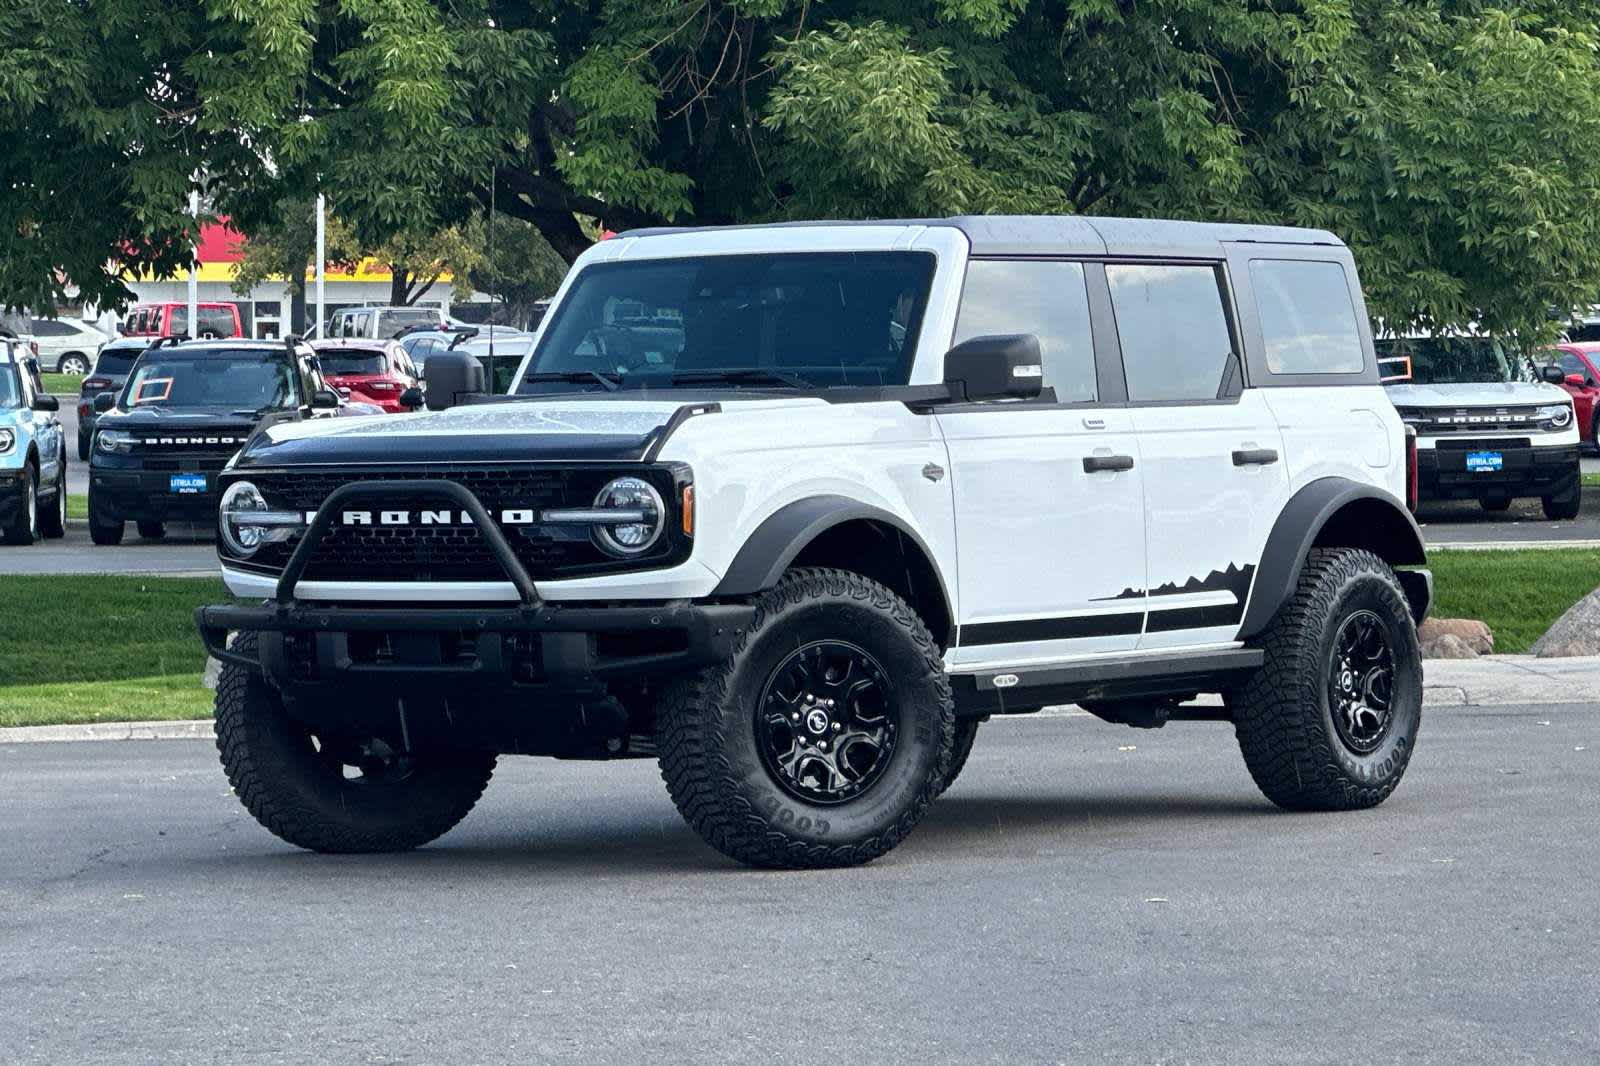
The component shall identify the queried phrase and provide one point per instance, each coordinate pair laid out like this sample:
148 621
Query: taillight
35 346
96 383
1412 494
382 386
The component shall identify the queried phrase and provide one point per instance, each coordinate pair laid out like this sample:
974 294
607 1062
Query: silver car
66 345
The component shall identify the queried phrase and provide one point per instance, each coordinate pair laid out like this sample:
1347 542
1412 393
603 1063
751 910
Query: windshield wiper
747 375
576 377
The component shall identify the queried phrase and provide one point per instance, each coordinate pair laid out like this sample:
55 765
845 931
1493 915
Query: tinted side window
1174 332
49 327
1307 319
1046 299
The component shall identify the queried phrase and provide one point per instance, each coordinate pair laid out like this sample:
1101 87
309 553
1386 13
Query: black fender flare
784 534
1298 526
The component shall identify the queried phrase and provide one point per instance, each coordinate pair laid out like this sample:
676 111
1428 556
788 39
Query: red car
1580 361
368 370
171 319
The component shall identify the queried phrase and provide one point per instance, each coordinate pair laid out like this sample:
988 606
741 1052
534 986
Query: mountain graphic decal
1235 579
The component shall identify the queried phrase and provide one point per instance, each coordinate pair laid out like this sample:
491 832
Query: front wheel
329 792
1565 506
1330 719
24 525
823 738
1494 506
104 529
152 530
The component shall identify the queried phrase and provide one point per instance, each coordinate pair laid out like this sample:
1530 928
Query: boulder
1448 646
1575 633
213 672
1473 633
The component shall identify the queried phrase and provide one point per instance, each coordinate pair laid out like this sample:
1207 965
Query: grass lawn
1591 481
78 505
1518 593
62 384
58 633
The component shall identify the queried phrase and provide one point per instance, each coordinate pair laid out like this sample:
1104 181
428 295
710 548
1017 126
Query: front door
1048 495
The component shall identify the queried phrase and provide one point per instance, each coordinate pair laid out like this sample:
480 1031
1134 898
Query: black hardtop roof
225 345
1072 234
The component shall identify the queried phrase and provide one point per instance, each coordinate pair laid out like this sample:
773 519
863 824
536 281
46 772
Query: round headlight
239 502
630 494
1558 414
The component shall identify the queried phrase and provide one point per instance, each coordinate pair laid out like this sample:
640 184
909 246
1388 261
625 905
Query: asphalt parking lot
187 549
1083 894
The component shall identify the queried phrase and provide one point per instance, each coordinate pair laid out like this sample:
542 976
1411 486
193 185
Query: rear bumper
1442 474
490 647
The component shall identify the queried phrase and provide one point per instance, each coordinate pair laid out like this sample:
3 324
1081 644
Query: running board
1025 689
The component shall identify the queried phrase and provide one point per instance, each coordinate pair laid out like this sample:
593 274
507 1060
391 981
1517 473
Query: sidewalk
1490 681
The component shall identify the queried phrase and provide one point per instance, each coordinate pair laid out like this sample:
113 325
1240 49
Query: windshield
337 361
1457 360
233 381
818 319
392 322
10 388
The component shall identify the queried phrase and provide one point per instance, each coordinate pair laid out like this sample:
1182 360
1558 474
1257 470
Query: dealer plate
189 484
1485 462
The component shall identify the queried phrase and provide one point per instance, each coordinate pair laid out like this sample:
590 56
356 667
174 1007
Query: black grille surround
412 551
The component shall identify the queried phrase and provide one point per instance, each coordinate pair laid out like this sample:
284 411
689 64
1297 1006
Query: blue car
33 452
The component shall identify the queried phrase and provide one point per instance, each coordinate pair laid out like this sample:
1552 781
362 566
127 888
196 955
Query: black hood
176 420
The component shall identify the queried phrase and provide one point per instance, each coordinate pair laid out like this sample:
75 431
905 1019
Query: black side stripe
1099 625
1094 625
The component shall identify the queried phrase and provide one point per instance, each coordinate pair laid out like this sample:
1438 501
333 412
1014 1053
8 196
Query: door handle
1094 464
1254 457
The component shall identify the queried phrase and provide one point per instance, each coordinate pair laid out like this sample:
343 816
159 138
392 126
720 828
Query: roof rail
162 342
463 336
291 341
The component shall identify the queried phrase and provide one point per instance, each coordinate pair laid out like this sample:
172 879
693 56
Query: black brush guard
675 634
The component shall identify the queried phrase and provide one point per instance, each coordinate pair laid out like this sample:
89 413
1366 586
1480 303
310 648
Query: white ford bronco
794 509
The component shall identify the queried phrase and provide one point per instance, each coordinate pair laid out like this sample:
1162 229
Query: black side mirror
411 398
104 401
46 402
1553 374
324 399
449 376
1005 367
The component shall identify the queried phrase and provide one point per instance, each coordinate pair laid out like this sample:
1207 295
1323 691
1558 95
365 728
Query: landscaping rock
212 672
1475 634
1575 633
1448 646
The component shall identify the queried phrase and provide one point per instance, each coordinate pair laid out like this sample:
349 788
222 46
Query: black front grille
410 550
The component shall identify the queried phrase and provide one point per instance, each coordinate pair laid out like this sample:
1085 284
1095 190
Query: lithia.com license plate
1484 462
189 484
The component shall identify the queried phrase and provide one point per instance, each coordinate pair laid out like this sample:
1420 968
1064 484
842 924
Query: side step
1026 689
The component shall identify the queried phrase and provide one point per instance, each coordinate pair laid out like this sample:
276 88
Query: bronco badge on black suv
793 509
161 440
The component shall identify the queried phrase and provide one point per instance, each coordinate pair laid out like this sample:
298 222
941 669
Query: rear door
1048 494
1214 478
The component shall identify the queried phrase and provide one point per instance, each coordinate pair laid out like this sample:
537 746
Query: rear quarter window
1308 322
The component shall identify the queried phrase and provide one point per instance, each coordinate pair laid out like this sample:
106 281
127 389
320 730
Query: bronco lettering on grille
516 516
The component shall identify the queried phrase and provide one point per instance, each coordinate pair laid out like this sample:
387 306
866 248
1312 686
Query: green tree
285 249
1448 141
521 270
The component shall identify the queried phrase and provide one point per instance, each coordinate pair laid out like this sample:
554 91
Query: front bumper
492 647
147 496
1526 470
13 489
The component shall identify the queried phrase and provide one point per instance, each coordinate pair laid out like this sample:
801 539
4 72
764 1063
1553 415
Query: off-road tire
151 530
966 733
1495 506
83 447
102 530
277 775
53 519
24 527
709 749
1564 507
1282 715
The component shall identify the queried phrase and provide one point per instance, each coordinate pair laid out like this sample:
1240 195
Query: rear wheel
1565 506
823 738
73 363
151 530
53 519
333 793
83 447
24 525
1330 719
104 529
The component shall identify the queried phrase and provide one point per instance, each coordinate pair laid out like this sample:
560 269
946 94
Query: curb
1433 696
1509 545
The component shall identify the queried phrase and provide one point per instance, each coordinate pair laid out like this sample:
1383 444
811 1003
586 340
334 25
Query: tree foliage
1448 141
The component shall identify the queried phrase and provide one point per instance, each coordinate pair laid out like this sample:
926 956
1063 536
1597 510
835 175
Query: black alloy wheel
1361 682
827 722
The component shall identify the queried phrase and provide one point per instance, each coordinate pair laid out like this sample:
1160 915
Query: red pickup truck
171 319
